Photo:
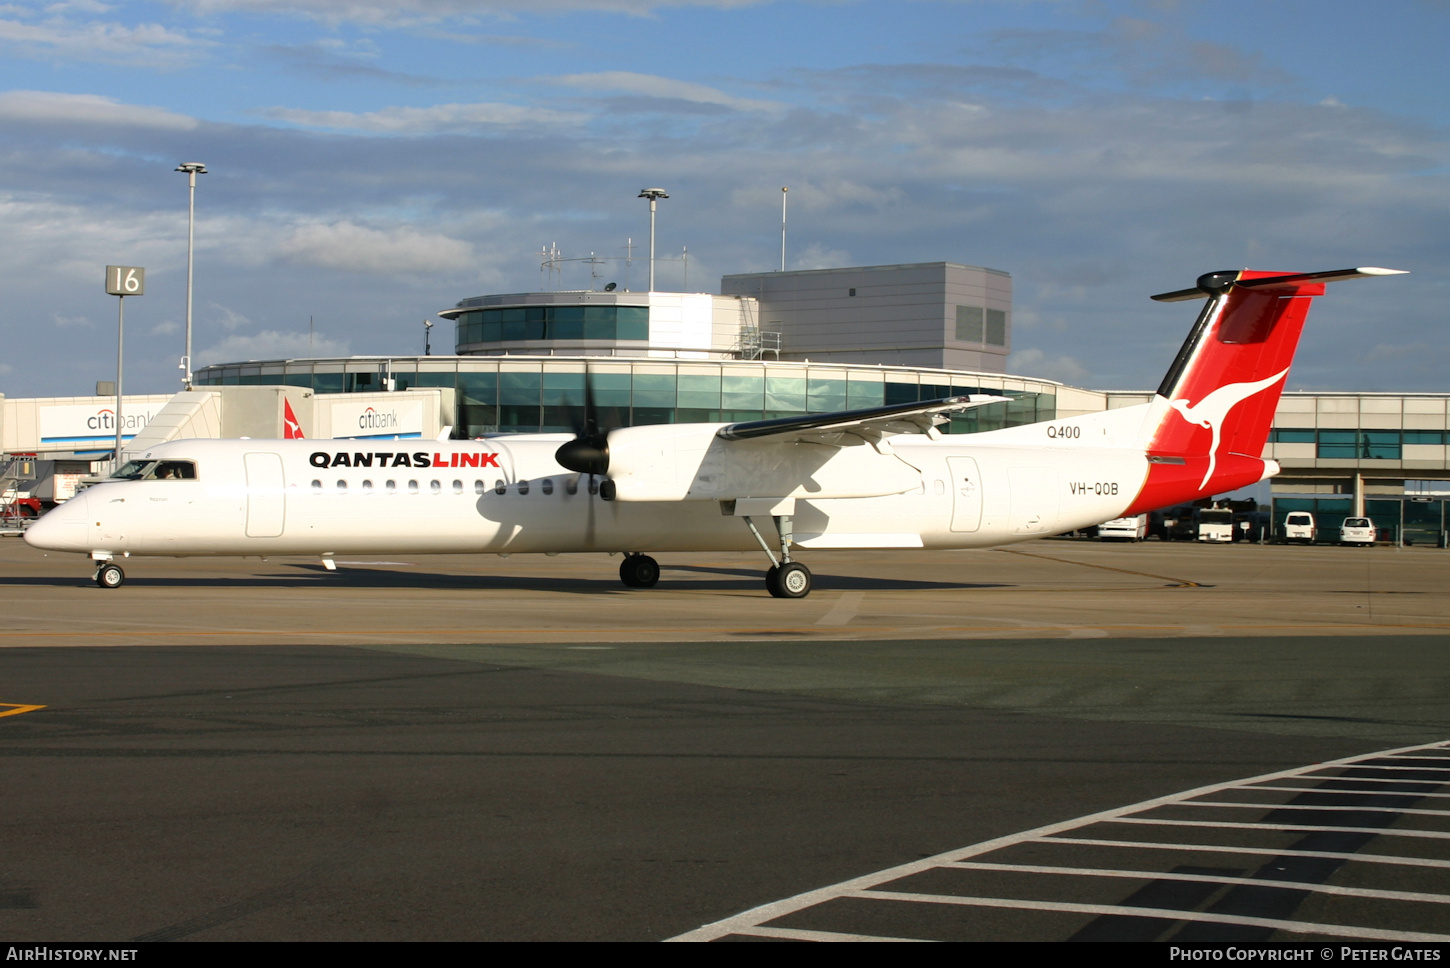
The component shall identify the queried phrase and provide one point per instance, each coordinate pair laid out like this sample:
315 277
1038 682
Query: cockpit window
133 470
156 470
175 470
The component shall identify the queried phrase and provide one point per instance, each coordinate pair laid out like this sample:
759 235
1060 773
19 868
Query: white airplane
884 477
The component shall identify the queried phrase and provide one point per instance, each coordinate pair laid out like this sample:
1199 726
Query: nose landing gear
110 575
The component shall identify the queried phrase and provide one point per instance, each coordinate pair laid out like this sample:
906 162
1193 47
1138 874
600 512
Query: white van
1299 526
1357 531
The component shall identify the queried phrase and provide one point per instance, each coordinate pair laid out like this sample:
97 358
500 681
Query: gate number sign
125 281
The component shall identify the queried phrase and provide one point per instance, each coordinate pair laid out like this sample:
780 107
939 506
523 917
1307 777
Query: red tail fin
1218 399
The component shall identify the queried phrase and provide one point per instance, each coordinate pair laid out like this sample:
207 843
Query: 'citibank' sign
385 421
83 425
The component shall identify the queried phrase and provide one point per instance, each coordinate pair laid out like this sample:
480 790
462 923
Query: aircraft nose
62 528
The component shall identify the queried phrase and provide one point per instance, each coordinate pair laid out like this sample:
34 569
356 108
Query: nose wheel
639 571
110 576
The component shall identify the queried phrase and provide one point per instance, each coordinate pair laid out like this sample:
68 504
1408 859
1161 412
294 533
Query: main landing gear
786 578
110 575
639 571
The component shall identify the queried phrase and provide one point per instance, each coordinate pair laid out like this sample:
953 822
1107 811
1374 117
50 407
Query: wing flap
870 424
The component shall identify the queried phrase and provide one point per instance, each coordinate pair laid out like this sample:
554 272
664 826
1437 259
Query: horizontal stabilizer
1203 290
898 418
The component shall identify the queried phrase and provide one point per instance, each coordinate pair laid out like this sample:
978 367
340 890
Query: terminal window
971 324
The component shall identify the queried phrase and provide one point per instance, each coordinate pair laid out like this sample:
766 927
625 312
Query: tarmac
478 748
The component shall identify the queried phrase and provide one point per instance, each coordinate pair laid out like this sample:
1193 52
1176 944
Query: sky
372 162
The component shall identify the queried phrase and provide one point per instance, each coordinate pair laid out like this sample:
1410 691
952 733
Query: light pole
654 195
427 337
783 190
192 169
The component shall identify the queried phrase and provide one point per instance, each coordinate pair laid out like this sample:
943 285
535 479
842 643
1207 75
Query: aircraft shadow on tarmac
313 575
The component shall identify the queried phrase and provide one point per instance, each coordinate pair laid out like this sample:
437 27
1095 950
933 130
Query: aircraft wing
870 424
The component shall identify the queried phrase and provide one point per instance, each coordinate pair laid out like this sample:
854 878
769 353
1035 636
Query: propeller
588 452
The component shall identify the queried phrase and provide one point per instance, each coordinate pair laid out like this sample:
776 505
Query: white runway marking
844 610
1164 917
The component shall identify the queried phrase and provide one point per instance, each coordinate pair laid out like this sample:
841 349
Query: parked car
1357 531
1299 526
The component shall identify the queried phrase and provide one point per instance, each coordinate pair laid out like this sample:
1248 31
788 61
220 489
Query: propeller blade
588 452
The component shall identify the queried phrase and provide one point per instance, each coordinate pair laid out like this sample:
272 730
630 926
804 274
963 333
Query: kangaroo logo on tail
1211 411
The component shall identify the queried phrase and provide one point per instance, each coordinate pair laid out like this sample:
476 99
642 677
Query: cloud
356 248
653 86
144 45
417 12
337 62
412 121
226 317
1034 362
71 322
169 327
271 344
89 109
817 256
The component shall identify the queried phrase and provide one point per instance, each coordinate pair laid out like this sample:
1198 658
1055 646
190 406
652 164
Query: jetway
85 427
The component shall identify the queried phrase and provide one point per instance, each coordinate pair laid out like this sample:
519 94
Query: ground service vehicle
1133 528
882 477
1215 525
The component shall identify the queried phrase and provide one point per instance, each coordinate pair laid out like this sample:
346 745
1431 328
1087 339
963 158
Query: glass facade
571 323
544 395
1358 444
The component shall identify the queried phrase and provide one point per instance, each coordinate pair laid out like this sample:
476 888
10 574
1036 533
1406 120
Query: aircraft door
266 495
966 484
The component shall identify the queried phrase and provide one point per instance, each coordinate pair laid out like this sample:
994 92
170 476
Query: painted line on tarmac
844 610
876 631
15 709
1173 582
1151 912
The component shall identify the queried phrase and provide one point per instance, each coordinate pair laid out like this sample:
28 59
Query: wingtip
1377 271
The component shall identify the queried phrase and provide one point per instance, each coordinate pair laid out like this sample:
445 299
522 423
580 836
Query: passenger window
547 485
500 487
479 487
523 487
435 487
342 487
571 486
938 487
391 487
316 487
367 487
457 487
412 487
